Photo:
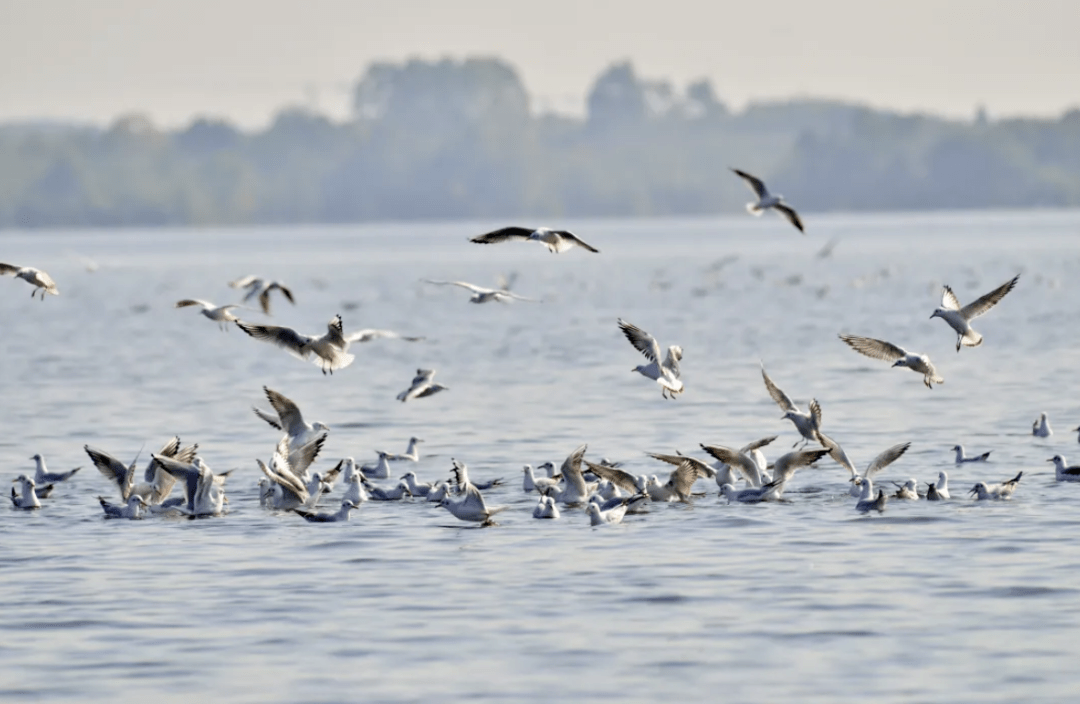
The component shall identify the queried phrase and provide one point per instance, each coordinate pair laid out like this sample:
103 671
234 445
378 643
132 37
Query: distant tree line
459 139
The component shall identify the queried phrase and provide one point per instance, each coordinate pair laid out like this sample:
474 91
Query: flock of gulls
293 483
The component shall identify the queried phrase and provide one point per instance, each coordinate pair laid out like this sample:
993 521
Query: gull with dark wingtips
766 200
422 386
37 278
221 315
996 492
959 318
481 294
666 374
262 288
557 241
879 349
330 351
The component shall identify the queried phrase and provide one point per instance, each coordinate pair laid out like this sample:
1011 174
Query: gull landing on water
767 200
41 281
557 241
219 314
879 349
330 351
666 374
483 295
959 319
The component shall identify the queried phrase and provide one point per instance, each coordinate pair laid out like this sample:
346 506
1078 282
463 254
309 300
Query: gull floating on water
379 470
806 423
1041 427
574 489
961 457
531 482
666 374
412 452
469 505
286 474
422 385
381 493
355 491
261 288
219 314
1063 473
27 498
340 515
959 319
865 504
557 241
767 200
996 492
751 495
132 510
879 349
42 475
41 281
546 508
612 511
907 490
416 488
687 471
289 419
484 295
331 351
938 491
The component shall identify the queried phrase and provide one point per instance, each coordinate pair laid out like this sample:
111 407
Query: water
805 601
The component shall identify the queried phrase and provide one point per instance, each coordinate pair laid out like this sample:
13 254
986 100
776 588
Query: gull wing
787 464
985 303
782 399
877 349
742 462
949 301
815 413
642 341
292 421
194 302
566 234
302 457
671 362
286 338
461 474
757 445
113 469
571 469
169 449
886 458
369 334
756 184
502 235
187 473
684 476
620 478
244 281
423 376
463 284
788 212
9 269
837 453
273 421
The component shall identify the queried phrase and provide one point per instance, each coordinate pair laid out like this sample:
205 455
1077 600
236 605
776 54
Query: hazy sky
244 59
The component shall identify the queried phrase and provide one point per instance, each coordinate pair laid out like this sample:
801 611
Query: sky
243 60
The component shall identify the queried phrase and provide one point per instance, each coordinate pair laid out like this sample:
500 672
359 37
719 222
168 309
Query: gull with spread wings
221 315
767 200
557 241
879 349
261 288
666 374
289 420
483 295
41 281
959 318
421 386
331 351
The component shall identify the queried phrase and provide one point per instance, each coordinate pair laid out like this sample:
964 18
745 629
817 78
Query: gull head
24 479
405 477
593 510
320 426
976 489
36 457
938 313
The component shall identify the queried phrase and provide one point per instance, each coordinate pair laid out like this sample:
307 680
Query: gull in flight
879 349
865 504
806 423
621 479
41 281
546 508
157 485
750 464
996 492
557 241
370 334
340 515
959 318
469 505
767 200
877 464
261 287
289 419
422 385
961 457
42 475
1041 427
783 469
219 314
27 498
483 295
330 351
1063 473
666 374
938 491
132 510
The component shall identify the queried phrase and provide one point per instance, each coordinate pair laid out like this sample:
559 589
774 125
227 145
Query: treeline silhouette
459 139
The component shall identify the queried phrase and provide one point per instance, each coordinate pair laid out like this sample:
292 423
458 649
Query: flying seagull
879 349
261 288
289 419
422 385
557 241
219 314
767 200
330 350
959 319
41 281
483 295
666 374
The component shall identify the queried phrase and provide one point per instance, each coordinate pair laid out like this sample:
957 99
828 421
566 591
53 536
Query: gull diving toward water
41 281
422 385
483 295
767 200
289 419
330 351
1063 473
961 457
1041 427
219 314
557 241
879 349
959 319
806 423
666 374
261 288
42 475
996 492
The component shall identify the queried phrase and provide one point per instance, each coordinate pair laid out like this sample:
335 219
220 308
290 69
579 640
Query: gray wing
474 500
368 334
877 349
886 458
273 421
738 460
674 354
642 341
113 469
949 301
757 444
423 376
815 413
194 302
502 235
756 184
620 478
985 303
684 476
9 269
302 457
286 338
186 473
244 281
292 421
169 449
463 284
782 399
788 463
837 453
571 469
788 212
566 234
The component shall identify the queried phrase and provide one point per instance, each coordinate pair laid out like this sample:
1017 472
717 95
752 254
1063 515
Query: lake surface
801 601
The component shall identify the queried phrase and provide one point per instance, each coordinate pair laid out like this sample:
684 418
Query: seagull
752 495
1063 473
416 488
906 491
370 334
1041 427
379 470
461 477
619 478
261 287
41 281
530 482
877 464
290 489
411 453
158 484
879 349
557 241
422 385
744 460
381 493
865 504
441 490
469 505
961 457
783 469
289 419
28 498
938 491
133 510
43 476
356 491
483 295
205 490
666 374
767 200
687 471
219 314
959 319
341 515
546 508
575 490
330 350
996 492
599 516
806 423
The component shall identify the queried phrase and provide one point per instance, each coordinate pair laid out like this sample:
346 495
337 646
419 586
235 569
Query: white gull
41 281
961 456
959 318
1041 427
330 351
996 492
879 349
666 374
219 314
481 294
1062 472
262 288
289 419
421 386
557 241
766 200
42 475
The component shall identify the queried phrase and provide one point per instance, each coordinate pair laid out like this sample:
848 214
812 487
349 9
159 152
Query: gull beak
1050 460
